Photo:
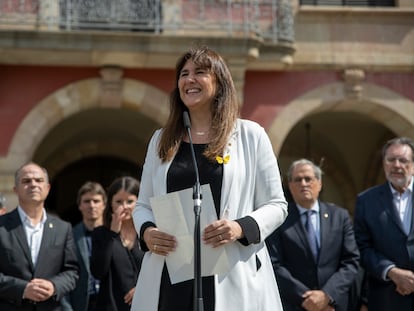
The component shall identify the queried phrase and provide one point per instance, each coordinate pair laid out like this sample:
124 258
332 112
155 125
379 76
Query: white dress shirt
34 233
403 204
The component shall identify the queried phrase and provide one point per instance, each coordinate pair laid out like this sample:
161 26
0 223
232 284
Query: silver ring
155 247
220 237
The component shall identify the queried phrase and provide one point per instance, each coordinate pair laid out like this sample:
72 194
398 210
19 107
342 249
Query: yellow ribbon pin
221 160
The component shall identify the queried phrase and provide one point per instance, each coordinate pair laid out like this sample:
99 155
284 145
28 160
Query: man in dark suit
38 264
314 254
385 233
91 203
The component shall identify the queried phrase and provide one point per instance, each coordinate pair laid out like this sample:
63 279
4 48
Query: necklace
127 242
201 133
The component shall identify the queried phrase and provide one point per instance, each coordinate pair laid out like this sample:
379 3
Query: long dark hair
126 183
225 108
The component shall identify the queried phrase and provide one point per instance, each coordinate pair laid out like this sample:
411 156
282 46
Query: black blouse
115 266
181 175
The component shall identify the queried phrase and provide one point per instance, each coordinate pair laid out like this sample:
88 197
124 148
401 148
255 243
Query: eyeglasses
402 161
307 179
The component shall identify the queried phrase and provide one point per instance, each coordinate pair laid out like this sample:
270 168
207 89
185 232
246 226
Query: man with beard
385 233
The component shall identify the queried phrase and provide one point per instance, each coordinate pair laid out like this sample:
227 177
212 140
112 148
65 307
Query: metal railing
361 3
271 20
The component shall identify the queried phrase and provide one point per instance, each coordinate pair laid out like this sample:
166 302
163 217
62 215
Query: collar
315 208
409 188
25 218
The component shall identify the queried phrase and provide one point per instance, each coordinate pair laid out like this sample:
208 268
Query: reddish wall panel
265 93
22 87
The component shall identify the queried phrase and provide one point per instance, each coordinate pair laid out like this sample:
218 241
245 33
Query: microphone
198 304
187 122
187 125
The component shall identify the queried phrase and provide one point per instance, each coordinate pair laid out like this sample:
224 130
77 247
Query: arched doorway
65 185
76 122
97 144
343 133
346 145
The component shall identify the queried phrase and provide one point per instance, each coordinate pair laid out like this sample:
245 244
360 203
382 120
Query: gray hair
316 169
398 141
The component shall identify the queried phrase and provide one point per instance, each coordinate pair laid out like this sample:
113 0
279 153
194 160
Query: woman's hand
222 232
159 242
128 297
118 217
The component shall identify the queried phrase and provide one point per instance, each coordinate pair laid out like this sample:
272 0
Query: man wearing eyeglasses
314 254
385 233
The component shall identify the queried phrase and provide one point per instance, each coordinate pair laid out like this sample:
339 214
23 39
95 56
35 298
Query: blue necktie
310 232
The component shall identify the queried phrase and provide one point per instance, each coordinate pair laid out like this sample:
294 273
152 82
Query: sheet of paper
174 214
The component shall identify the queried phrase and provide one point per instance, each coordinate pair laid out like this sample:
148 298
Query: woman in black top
116 255
236 159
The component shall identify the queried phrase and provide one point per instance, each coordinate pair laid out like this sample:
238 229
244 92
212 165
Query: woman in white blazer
236 159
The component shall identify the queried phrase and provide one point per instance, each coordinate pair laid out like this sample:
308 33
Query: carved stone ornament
353 79
111 85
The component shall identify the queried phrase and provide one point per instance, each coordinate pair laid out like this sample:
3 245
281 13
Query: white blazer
251 187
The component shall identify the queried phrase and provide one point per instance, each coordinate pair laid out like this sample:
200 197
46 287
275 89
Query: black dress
115 266
181 176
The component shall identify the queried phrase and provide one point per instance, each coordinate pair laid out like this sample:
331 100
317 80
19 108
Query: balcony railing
271 20
360 3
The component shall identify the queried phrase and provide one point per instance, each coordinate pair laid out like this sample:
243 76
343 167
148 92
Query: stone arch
73 98
386 107
379 103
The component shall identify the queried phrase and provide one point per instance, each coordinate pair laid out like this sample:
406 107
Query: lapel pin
326 215
50 225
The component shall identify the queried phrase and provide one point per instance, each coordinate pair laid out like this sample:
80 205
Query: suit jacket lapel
386 200
412 217
47 241
82 246
300 230
324 222
20 234
229 170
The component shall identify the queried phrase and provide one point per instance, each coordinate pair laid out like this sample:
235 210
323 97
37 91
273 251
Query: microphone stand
197 196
